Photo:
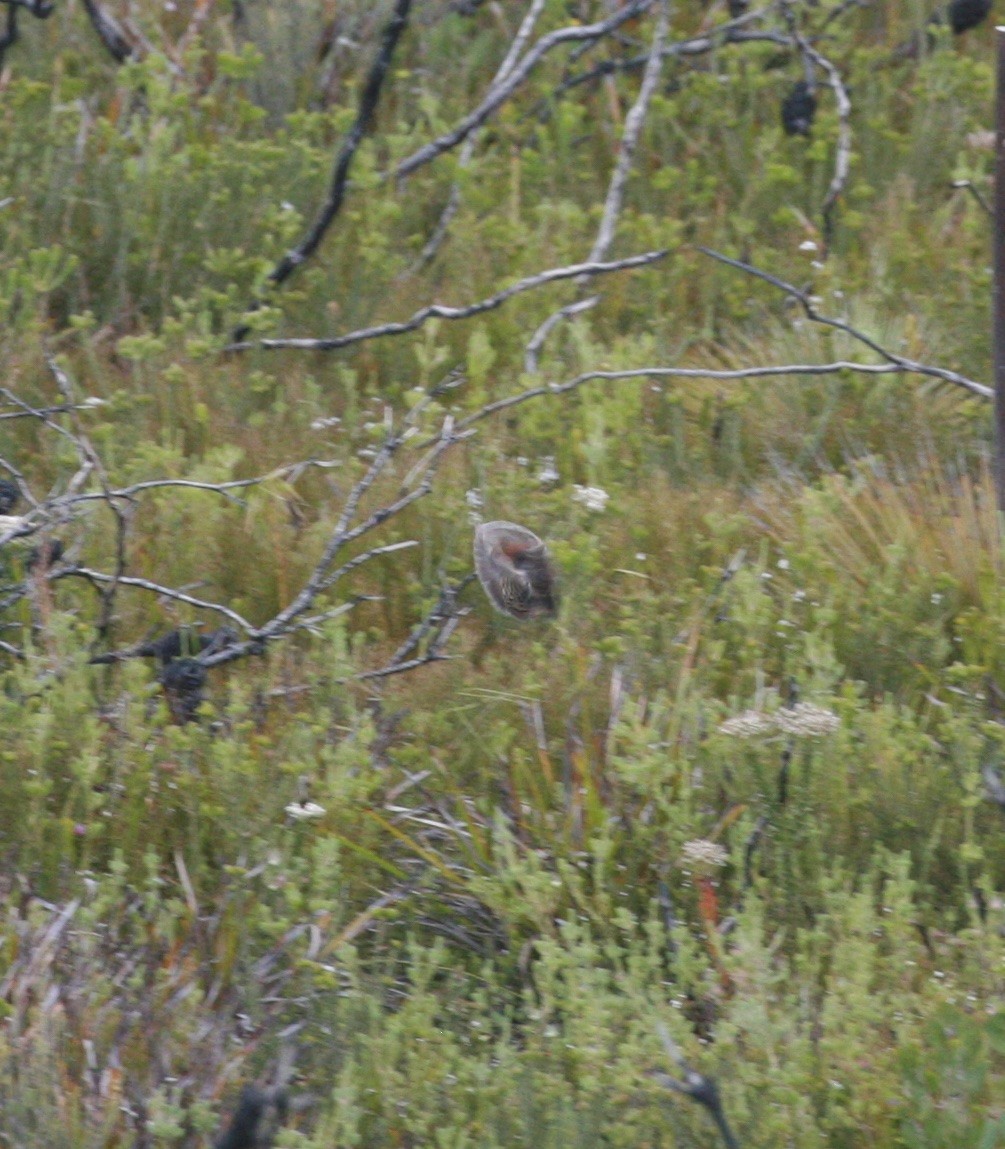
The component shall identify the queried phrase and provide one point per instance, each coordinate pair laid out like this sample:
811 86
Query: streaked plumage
515 571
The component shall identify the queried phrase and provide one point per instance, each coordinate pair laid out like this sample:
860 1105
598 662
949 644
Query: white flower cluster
748 724
804 719
593 498
548 472
702 852
306 811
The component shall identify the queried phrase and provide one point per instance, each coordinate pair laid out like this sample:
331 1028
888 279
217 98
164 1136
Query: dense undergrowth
781 630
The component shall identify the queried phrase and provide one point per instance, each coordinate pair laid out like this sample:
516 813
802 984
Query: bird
962 15
798 109
515 571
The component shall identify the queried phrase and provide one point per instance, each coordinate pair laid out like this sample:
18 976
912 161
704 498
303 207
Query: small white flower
805 718
808 245
94 401
548 472
748 724
593 498
702 852
522 460
306 811
329 421
287 206
640 556
936 599
783 564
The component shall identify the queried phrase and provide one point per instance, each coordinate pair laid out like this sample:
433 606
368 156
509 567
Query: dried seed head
515 571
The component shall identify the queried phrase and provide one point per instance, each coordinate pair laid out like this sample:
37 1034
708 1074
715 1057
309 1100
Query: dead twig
368 101
433 244
694 1085
500 93
110 32
900 362
441 311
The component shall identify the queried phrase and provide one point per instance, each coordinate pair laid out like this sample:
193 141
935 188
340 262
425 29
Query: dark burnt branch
971 187
811 313
42 9
842 157
441 311
109 32
694 1085
340 177
500 93
9 37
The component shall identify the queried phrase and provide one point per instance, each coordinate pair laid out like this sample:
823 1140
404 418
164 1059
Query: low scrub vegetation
442 876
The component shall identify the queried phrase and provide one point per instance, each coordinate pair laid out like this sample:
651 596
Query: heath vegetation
294 296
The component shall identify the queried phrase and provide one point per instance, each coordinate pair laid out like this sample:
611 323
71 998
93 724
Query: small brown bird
514 568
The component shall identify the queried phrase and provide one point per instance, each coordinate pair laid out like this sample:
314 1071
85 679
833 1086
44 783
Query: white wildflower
808 245
748 724
305 811
548 472
593 498
805 718
702 852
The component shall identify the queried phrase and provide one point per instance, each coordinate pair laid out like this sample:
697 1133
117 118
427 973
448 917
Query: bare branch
618 181
109 32
340 176
630 137
101 578
537 340
695 1085
500 93
842 158
441 311
902 363
464 159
